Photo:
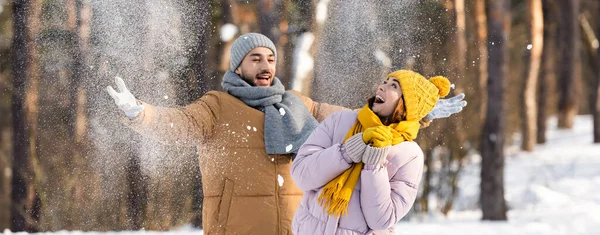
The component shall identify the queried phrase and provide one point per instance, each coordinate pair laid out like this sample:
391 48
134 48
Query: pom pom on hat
442 83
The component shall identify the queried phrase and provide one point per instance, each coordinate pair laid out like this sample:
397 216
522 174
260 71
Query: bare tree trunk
79 97
424 201
427 141
25 200
483 54
570 68
197 81
596 90
458 49
493 204
75 178
528 98
461 39
303 50
270 17
138 192
548 69
229 15
590 40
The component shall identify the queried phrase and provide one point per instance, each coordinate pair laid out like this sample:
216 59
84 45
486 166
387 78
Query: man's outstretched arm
181 126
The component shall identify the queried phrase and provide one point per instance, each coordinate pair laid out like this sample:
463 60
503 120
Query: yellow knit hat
420 94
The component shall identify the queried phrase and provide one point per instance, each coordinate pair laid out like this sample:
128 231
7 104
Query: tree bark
458 50
138 192
270 17
493 204
197 81
424 200
305 47
570 68
596 90
229 15
461 39
528 97
481 20
25 200
548 69
78 92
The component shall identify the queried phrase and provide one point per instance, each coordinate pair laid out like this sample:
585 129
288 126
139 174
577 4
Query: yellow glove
378 136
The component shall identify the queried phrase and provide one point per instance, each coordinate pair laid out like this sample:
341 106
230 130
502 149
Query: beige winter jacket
246 191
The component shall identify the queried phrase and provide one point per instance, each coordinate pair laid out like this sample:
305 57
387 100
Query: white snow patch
529 46
288 148
282 111
227 32
280 180
383 58
303 62
321 11
248 127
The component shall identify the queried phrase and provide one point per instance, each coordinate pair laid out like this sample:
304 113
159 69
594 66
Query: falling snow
227 32
280 180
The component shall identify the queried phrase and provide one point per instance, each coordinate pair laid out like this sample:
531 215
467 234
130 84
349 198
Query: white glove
124 99
446 107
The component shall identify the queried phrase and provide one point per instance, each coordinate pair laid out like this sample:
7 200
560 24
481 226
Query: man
245 138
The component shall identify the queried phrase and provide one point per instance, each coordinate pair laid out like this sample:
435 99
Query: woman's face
386 98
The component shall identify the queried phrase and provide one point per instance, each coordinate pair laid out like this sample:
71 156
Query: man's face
258 67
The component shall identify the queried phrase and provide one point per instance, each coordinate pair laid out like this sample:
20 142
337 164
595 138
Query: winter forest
521 158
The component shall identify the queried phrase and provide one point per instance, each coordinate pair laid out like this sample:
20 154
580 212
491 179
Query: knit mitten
375 156
355 147
446 107
378 136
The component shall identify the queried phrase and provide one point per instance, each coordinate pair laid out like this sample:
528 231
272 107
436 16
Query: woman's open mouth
379 100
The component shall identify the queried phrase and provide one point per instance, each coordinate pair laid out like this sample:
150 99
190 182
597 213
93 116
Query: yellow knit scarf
337 193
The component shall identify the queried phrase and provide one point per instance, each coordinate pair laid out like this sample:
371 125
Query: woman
360 171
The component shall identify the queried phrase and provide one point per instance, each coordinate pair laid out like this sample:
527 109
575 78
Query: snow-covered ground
554 190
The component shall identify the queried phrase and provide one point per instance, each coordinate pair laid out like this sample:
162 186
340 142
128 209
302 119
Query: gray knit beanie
245 44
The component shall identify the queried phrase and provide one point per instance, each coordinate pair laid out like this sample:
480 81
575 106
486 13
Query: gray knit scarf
288 123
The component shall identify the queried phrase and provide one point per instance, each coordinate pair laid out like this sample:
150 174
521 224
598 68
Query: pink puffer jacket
382 196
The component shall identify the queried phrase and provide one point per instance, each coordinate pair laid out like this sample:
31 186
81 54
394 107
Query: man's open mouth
263 77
